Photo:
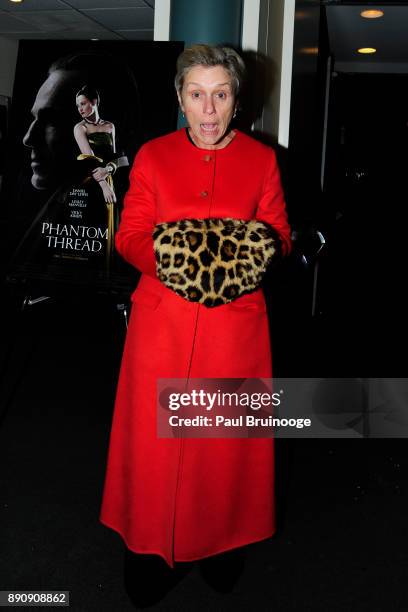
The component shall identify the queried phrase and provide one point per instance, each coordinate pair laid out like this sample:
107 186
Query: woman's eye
222 95
196 94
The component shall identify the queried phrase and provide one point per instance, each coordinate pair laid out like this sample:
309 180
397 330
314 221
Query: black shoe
222 571
148 578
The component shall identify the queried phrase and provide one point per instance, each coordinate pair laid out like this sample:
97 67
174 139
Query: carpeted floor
342 538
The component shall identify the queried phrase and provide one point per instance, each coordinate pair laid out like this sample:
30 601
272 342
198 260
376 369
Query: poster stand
26 295
49 195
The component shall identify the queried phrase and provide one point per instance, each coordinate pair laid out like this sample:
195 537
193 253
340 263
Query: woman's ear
180 102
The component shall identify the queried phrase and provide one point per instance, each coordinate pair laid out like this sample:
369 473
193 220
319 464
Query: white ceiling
348 31
133 20
77 19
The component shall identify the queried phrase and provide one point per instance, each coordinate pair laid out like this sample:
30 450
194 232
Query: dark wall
363 290
293 295
306 115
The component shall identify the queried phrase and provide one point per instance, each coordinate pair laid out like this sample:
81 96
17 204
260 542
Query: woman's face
85 106
208 102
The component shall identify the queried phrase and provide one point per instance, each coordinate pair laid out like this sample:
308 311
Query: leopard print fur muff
213 261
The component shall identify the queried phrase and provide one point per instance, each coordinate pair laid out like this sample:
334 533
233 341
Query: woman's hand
100 174
107 191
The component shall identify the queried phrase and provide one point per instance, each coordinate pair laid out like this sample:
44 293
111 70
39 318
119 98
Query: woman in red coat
186 499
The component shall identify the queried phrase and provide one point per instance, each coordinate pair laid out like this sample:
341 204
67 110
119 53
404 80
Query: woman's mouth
209 128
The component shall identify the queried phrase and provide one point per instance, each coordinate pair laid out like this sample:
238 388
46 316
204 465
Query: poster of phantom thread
80 111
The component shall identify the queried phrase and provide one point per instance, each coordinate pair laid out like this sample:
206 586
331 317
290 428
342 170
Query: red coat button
204 194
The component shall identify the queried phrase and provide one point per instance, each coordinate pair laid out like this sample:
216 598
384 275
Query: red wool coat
186 498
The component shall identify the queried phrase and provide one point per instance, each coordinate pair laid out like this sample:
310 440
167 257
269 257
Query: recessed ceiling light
16 1
367 50
94 38
309 50
372 13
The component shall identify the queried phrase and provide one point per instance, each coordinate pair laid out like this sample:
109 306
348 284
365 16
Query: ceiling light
94 38
16 0
372 13
309 50
367 50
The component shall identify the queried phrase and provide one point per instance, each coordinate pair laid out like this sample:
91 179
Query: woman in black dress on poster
96 141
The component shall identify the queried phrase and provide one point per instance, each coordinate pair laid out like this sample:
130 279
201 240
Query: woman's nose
209 107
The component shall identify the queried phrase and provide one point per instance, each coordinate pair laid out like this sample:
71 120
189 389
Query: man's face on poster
50 135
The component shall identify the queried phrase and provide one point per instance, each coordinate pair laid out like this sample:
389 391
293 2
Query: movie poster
80 112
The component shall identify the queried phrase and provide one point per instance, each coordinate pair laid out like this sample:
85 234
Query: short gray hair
209 56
